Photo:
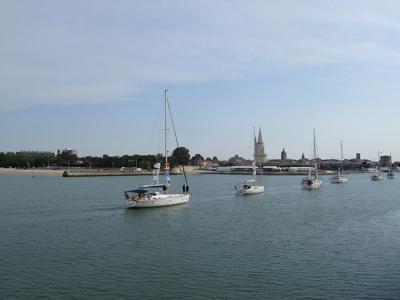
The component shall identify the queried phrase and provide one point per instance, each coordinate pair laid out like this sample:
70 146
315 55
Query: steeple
260 139
259 153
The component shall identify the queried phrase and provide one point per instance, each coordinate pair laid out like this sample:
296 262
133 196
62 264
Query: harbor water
72 238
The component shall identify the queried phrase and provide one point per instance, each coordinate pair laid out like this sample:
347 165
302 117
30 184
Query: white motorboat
339 177
156 194
248 188
312 181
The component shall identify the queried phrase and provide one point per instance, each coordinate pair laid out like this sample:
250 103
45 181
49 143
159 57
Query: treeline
180 156
20 161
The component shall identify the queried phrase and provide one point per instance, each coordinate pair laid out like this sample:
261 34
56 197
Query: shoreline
117 172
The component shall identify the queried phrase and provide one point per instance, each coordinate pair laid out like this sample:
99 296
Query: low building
239 161
197 160
67 151
210 164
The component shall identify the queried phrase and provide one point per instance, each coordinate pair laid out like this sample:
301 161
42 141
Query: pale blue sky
90 75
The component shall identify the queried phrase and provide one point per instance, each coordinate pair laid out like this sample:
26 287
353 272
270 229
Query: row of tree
180 156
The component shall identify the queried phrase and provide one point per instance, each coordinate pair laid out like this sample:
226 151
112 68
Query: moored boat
312 181
156 194
339 177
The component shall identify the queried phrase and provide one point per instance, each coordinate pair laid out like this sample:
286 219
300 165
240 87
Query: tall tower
259 152
283 154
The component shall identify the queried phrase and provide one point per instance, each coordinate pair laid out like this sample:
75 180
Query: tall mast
341 151
255 142
315 152
165 128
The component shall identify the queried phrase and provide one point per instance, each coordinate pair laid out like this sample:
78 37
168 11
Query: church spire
259 153
260 139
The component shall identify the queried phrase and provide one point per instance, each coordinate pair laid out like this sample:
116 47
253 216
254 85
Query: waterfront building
239 161
197 160
210 164
358 156
260 156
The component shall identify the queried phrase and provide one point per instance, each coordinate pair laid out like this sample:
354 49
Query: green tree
181 156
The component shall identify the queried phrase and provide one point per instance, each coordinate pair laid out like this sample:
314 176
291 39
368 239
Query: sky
91 75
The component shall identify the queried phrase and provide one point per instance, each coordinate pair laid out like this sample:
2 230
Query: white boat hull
254 189
339 179
311 184
158 200
376 177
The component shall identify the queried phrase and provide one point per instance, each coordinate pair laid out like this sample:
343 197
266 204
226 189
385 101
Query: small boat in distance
249 187
377 175
312 181
156 194
339 177
390 174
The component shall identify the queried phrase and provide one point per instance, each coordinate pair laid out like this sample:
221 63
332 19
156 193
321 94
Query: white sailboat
156 194
249 187
377 175
312 181
339 177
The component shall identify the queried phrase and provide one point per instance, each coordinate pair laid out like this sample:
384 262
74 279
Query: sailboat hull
311 184
158 200
253 189
339 179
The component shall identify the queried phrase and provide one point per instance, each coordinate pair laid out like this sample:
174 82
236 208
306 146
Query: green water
71 238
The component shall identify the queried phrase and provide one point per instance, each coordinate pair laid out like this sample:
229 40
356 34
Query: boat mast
166 167
341 155
165 127
255 143
341 150
315 156
315 152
